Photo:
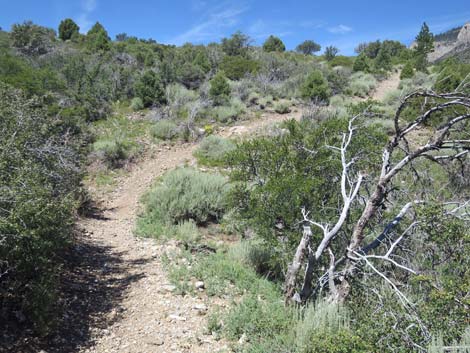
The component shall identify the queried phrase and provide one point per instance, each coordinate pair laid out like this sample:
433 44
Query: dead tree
443 144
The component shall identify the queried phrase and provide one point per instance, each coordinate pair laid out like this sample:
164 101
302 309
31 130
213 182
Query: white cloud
340 29
89 5
83 19
212 27
312 24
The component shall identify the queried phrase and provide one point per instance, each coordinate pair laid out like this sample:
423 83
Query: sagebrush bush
164 130
230 112
181 195
362 84
113 152
282 108
213 149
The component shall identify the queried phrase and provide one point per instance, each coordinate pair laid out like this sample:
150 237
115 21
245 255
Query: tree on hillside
383 60
97 38
274 44
219 89
361 47
361 63
308 47
408 71
150 89
68 29
237 44
331 52
424 46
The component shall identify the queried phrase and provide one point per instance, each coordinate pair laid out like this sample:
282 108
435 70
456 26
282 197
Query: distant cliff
453 43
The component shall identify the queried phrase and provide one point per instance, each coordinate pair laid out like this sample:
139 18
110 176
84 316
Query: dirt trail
144 315
117 294
385 86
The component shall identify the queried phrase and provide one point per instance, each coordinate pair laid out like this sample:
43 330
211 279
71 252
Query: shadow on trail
92 285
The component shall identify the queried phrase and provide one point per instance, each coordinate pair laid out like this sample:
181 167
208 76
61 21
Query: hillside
453 43
231 197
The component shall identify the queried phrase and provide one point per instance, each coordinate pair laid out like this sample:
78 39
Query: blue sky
342 23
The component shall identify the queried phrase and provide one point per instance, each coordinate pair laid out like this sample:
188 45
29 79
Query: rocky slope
458 47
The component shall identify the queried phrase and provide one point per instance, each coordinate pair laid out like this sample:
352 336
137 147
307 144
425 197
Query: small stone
199 285
168 288
176 318
200 308
243 339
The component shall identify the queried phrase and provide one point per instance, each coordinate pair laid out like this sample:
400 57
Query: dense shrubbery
40 175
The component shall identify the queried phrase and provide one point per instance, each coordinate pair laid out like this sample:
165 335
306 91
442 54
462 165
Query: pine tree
274 44
424 46
67 29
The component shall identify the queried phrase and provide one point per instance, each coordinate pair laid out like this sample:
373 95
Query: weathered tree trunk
294 268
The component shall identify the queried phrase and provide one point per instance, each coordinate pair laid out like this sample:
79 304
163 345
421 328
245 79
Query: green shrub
362 84
40 174
324 328
407 71
341 60
237 67
164 130
258 317
282 108
315 87
213 149
225 114
361 63
137 104
219 88
181 195
112 152
149 88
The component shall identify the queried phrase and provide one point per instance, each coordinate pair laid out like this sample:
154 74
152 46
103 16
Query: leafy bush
315 87
181 195
137 104
164 130
362 84
213 149
219 88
